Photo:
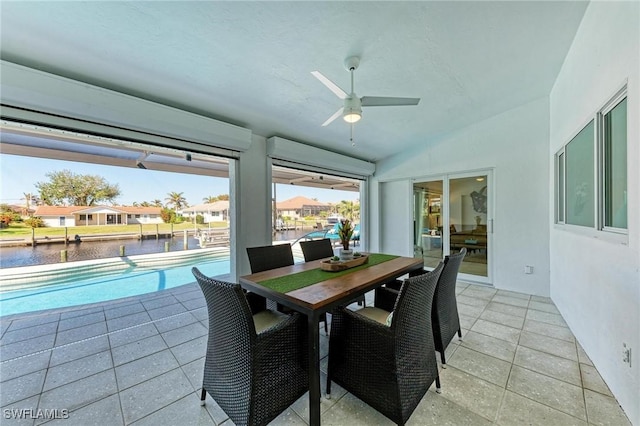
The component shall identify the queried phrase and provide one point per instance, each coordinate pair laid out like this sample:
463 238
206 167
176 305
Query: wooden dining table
306 288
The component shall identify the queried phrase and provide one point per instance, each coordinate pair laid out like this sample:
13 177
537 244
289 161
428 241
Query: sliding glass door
453 213
428 221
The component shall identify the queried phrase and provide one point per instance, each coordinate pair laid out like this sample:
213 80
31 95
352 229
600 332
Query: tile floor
139 361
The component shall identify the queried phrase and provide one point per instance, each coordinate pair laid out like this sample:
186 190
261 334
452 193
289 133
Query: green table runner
303 279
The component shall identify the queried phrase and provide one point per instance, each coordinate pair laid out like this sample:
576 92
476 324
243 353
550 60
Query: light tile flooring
139 361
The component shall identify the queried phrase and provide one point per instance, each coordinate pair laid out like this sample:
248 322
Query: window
591 172
580 178
615 166
560 201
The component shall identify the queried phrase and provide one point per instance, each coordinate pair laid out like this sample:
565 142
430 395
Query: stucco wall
252 192
595 280
515 145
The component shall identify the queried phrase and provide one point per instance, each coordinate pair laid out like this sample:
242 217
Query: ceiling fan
352 109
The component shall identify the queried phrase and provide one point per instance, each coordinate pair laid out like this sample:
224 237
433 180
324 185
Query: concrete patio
138 361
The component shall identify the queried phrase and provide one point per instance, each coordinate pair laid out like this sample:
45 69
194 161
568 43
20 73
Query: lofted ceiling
250 63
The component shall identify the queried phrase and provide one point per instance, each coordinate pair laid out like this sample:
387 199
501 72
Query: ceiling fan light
352 116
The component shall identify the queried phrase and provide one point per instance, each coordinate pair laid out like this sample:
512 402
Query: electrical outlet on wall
528 269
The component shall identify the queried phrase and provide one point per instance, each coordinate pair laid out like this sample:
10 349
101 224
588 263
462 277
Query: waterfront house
300 207
210 212
61 216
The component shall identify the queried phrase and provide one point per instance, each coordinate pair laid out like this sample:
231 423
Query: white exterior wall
594 282
152 218
515 145
54 222
252 191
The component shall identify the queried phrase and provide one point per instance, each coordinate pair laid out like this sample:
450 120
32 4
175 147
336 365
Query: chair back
444 299
451 267
269 257
231 336
413 302
316 249
413 340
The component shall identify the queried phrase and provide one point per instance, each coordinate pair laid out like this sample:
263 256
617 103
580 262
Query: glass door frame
446 219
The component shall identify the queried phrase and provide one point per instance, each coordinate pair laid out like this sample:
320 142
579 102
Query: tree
29 200
67 188
210 199
7 215
35 222
223 197
156 203
168 215
176 200
349 209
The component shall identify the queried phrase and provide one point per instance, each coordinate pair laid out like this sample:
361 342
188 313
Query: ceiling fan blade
330 84
337 114
386 101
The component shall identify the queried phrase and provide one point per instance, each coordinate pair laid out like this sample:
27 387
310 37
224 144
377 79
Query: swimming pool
103 288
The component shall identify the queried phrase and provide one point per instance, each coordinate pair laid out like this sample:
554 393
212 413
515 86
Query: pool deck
139 361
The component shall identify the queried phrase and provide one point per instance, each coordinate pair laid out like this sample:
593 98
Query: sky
18 175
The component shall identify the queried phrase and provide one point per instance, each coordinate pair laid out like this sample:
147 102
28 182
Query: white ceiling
249 63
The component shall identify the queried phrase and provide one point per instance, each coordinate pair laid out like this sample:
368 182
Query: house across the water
61 216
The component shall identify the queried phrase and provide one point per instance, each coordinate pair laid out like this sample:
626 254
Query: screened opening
310 205
140 215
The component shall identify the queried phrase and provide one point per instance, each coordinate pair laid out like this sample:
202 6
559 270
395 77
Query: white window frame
598 230
607 108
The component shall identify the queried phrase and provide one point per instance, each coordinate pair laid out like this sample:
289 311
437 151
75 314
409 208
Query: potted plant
345 232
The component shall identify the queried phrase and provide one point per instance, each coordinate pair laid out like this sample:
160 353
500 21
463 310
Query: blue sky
19 175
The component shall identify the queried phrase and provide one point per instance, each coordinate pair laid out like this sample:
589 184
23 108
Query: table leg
314 369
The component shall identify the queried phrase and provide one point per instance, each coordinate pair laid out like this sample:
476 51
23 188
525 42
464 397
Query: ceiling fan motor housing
352 104
352 63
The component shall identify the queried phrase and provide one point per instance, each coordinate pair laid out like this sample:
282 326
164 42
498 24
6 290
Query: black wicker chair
316 249
269 257
256 365
388 367
444 314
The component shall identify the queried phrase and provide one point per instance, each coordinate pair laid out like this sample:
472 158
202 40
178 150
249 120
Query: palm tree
210 199
176 200
156 203
28 199
349 209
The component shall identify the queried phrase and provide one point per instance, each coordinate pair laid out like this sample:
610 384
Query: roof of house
70 210
209 207
298 202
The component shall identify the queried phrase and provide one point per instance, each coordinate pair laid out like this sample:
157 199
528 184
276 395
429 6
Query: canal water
50 253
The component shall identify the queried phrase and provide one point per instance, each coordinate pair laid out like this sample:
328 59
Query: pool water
94 290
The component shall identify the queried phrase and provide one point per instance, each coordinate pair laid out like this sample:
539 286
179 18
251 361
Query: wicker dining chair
256 363
264 258
269 257
389 367
444 314
317 249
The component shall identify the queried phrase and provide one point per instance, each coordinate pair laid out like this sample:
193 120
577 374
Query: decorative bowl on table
332 266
